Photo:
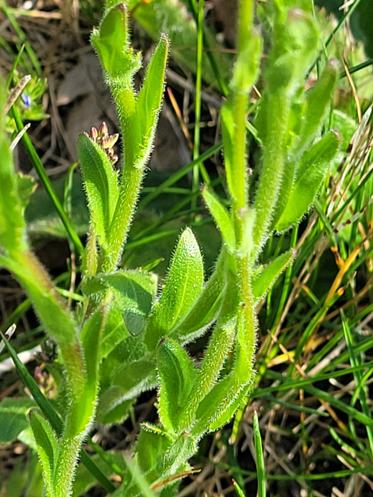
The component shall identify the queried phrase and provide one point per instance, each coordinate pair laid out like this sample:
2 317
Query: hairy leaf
149 103
177 374
13 417
150 449
265 276
218 348
26 187
317 102
311 174
126 383
111 40
292 52
101 185
47 448
221 218
182 287
206 308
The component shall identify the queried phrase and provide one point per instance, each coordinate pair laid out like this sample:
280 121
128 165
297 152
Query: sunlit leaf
265 276
100 183
182 287
311 174
221 218
177 374
47 448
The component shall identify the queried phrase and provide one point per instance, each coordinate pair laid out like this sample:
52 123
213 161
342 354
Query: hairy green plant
127 335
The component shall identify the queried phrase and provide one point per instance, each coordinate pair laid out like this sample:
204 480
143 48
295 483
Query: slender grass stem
197 101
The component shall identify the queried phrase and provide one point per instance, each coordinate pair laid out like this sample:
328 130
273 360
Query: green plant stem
46 182
247 324
246 318
127 200
260 467
53 314
240 102
273 164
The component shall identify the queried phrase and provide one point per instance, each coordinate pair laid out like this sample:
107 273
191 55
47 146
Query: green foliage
123 338
47 448
310 175
265 276
101 184
13 417
181 289
221 218
177 378
206 307
173 17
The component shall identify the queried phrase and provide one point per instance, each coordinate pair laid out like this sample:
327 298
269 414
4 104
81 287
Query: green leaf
176 458
311 173
177 375
126 383
294 47
221 218
149 103
273 127
206 308
47 448
139 478
13 417
114 331
111 41
318 100
91 341
310 118
217 351
215 405
265 276
230 409
133 291
26 187
150 449
101 185
183 285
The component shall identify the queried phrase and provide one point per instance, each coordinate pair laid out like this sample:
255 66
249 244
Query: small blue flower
26 99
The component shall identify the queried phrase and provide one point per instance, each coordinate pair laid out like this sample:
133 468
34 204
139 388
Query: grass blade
260 469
